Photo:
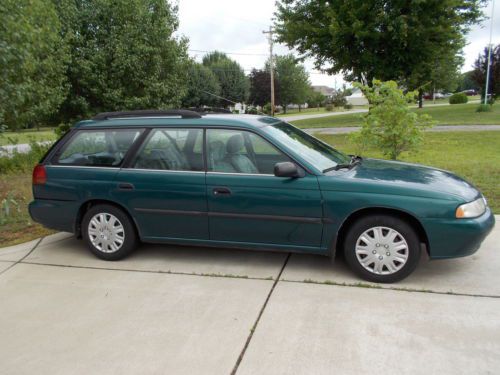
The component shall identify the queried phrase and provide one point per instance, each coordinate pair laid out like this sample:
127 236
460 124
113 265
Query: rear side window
100 148
172 150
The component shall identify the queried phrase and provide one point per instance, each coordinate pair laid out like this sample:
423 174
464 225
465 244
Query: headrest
234 144
217 150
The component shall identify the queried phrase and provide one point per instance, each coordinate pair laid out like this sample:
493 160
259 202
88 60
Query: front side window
172 150
101 148
239 151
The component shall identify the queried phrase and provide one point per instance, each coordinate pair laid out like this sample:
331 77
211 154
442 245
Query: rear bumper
452 238
58 215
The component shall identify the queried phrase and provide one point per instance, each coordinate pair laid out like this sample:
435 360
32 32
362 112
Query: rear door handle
221 191
125 186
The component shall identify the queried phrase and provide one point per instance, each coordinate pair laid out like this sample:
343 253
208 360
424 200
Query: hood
410 179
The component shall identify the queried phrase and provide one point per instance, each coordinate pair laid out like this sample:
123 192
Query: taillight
39 175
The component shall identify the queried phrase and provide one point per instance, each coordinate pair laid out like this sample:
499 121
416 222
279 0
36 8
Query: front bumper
452 238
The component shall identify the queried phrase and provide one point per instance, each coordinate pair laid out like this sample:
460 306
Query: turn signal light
39 175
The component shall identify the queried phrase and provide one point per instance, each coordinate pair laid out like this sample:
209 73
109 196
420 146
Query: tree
479 72
260 87
293 81
376 39
390 125
315 98
234 85
123 56
466 82
201 83
32 63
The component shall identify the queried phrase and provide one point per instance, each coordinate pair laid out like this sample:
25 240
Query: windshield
317 153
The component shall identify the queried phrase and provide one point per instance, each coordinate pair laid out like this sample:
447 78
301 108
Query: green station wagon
251 182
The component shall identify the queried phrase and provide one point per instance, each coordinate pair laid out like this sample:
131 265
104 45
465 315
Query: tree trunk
284 109
420 98
299 108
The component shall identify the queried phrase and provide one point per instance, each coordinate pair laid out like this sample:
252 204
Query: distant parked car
470 92
253 182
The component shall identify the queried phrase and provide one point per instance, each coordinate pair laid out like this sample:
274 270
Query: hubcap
382 250
106 233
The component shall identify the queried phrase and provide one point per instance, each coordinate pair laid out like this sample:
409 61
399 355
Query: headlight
473 209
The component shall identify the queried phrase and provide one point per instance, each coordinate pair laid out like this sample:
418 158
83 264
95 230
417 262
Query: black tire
392 222
130 239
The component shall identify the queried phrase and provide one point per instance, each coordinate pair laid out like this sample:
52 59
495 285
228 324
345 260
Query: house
324 90
356 98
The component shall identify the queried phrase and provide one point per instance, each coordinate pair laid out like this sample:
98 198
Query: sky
235 27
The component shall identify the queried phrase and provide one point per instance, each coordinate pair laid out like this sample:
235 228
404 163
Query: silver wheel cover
106 232
382 250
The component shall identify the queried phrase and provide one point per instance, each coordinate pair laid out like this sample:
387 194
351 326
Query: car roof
226 120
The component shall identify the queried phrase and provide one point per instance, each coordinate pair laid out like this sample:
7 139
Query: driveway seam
396 289
24 257
228 276
254 327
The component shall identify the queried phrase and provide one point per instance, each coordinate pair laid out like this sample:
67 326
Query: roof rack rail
147 113
207 110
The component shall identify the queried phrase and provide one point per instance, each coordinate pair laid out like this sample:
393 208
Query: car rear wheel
108 232
382 248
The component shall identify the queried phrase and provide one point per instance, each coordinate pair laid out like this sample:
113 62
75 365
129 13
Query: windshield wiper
355 160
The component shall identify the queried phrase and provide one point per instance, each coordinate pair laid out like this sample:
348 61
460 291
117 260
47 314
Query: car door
164 185
248 204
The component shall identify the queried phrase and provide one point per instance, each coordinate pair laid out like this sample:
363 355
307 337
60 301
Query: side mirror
288 169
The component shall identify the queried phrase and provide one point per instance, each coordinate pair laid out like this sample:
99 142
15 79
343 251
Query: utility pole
488 67
271 65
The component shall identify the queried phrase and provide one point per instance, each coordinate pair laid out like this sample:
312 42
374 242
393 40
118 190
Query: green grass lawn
9 138
457 114
474 156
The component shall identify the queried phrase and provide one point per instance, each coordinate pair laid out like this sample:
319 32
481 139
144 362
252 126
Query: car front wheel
108 232
382 248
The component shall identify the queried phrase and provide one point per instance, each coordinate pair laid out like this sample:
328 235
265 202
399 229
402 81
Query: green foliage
407 42
329 107
233 82
348 106
484 108
123 56
267 108
458 98
466 82
315 99
33 59
201 82
338 99
8 207
293 81
479 73
390 125
251 111
18 162
62 129
260 87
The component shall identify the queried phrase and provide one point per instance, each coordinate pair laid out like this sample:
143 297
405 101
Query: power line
230 53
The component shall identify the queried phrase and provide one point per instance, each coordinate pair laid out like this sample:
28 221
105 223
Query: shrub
390 125
16 162
329 107
338 99
348 106
62 129
458 98
483 108
267 108
251 111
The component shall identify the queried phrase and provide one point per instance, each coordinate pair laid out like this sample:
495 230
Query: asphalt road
185 310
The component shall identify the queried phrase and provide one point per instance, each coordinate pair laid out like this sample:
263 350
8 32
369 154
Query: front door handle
221 191
125 186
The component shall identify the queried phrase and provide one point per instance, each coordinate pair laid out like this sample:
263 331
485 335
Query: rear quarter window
100 148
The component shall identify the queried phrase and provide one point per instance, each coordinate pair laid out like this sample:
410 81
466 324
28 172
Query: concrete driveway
183 310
